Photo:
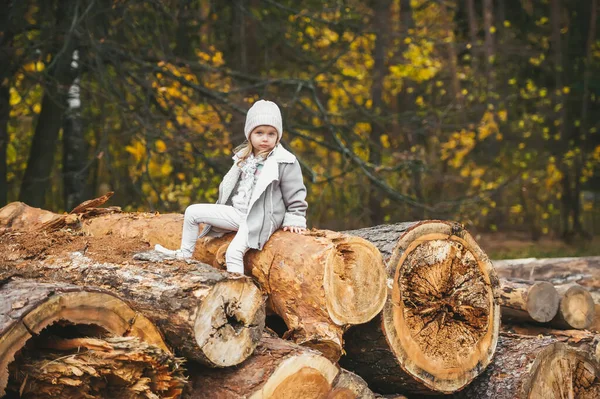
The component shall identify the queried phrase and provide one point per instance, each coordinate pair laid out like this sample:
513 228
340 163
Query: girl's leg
234 257
221 216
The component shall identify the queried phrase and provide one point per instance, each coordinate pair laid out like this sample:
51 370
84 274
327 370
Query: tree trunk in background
585 104
472 16
488 24
556 42
380 25
74 144
406 108
500 18
41 156
6 37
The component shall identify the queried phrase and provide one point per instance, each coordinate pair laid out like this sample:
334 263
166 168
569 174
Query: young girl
262 192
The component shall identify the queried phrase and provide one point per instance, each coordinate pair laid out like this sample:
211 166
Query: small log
439 327
351 386
533 367
204 313
535 301
576 308
27 307
89 368
340 278
277 369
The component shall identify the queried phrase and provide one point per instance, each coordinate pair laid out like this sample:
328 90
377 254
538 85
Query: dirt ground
516 245
39 245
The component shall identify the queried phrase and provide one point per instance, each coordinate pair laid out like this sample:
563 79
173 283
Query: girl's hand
294 229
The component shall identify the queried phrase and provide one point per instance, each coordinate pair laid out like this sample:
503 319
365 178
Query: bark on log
351 386
535 301
531 367
340 278
94 368
582 340
583 270
439 327
278 369
204 313
576 308
27 307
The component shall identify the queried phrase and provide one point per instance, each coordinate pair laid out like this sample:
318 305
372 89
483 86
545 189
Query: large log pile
341 278
412 309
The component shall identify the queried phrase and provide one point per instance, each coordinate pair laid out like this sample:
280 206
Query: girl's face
263 138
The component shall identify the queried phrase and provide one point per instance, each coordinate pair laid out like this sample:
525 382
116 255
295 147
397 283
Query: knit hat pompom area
263 112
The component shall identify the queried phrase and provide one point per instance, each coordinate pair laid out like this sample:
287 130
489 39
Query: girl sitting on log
262 191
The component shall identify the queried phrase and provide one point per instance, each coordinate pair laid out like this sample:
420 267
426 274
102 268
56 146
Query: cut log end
354 280
30 307
231 317
562 372
542 301
301 376
443 319
576 306
277 369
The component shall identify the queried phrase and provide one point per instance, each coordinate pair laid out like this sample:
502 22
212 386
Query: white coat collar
270 171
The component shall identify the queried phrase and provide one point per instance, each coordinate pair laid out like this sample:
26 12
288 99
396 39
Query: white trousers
221 216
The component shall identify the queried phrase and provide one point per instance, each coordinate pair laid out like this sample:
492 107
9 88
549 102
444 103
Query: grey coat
278 198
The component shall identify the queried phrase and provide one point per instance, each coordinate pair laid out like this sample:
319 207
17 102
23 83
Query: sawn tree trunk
439 327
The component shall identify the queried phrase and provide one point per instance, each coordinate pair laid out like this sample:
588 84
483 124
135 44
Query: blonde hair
244 150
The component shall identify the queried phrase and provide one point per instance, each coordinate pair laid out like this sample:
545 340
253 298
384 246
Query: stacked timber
340 277
439 327
208 315
414 306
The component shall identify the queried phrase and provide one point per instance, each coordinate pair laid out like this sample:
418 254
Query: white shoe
177 254
237 270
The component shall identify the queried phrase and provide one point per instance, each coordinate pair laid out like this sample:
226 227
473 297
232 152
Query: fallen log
28 307
277 369
204 313
439 327
558 271
96 368
533 367
340 278
535 301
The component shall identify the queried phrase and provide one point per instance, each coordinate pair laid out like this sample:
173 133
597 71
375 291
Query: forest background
480 111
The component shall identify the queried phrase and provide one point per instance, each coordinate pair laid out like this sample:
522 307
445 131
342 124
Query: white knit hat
263 112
